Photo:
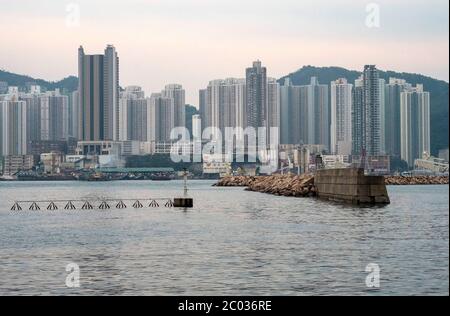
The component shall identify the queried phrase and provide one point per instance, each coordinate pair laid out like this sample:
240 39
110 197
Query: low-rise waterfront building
15 163
51 162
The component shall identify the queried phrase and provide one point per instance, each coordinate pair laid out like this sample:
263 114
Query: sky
192 42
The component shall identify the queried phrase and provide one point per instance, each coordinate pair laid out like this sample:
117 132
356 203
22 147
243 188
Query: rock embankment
283 185
415 180
303 186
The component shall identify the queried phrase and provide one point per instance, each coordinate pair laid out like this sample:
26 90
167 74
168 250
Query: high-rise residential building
317 114
273 112
256 100
74 114
305 115
382 98
226 104
393 91
54 116
133 108
133 92
285 112
204 109
196 127
33 105
415 124
372 107
13 131
358 118
133 115
98 95
367 107
160 118
341 117
293 120
111 92
177 94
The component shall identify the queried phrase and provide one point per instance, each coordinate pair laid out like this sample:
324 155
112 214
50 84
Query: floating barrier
102 204
106 204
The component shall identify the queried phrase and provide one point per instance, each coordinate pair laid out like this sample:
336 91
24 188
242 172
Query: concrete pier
183 202
350 186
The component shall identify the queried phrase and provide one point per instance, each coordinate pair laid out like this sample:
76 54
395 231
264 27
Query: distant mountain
68 84
438 89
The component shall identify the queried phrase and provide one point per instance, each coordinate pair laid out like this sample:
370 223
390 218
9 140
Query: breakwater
416 180
284 185
350 186
304 186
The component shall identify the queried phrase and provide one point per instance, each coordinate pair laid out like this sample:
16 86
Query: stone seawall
306 186
350 186
416 180
284 185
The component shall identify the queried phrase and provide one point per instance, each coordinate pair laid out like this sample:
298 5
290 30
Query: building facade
13 131
393 91
372 109
415 124
160 118
341 117
98 95
256 95
177 94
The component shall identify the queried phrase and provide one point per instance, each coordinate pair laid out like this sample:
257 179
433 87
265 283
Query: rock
416 180
303 186
283 185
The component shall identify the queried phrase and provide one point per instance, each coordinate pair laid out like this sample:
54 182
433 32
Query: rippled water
232 243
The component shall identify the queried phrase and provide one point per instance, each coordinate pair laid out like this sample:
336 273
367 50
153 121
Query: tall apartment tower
273 112
341 117
196 127
204 109
256 95
74 114
177 93
54 116
133 109
160 118
382 98
372 109
33 105
225 103
13 128
305 115
415 124
358 118
285 111
98 90
317 112
393 91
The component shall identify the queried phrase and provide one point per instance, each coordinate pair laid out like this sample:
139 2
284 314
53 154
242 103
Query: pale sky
194 41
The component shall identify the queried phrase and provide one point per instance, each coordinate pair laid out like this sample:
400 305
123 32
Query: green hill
68 84
438 89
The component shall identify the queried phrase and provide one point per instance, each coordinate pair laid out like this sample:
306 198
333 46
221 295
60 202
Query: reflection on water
232 243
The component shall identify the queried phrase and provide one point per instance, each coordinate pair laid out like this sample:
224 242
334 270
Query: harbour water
232 242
